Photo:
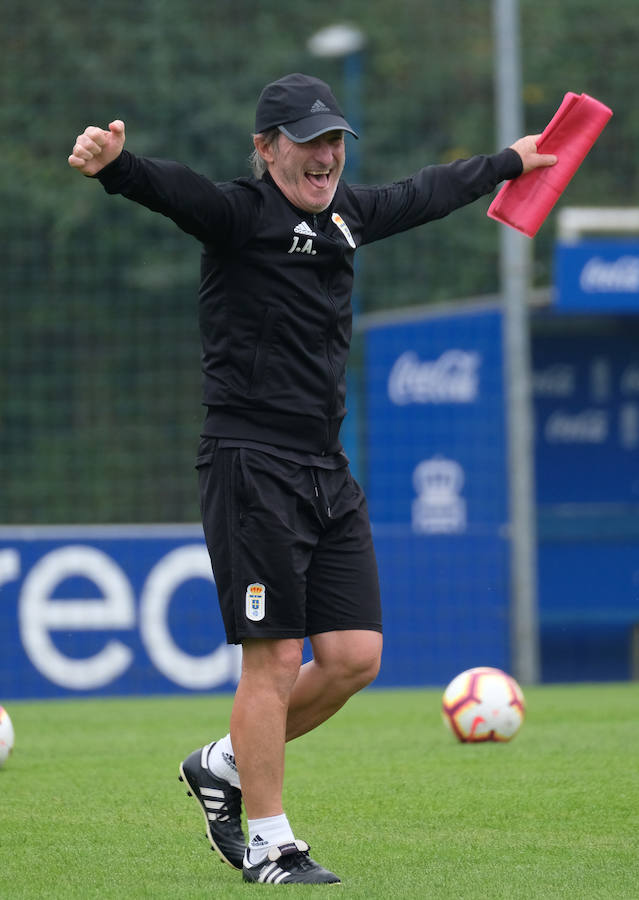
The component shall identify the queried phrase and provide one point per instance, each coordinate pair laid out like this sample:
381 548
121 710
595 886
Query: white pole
515 283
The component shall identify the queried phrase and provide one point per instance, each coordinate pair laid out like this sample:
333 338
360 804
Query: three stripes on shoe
214 801
272 874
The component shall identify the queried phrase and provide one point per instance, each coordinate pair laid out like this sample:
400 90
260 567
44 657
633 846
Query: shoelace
301 860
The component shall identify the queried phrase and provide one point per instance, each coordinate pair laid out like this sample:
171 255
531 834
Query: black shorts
290 546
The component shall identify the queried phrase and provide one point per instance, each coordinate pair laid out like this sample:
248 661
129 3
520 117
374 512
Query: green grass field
90 804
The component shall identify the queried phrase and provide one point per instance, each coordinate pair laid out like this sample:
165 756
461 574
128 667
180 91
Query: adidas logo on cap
319 107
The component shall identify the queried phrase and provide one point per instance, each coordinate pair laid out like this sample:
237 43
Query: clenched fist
95 148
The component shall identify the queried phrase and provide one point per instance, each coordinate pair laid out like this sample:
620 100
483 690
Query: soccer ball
483 704
6 736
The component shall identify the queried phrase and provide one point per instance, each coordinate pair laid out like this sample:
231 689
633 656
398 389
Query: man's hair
258 165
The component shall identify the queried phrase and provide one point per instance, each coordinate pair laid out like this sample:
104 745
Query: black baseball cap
302 107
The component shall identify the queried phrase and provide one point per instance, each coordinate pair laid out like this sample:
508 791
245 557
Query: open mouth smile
318 178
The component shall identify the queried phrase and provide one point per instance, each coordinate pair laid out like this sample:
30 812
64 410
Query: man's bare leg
278 700
343 663
270 668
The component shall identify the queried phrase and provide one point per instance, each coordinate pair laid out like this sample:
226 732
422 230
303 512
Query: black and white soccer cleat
287 864
221 804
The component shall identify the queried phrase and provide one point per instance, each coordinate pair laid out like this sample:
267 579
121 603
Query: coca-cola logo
558 380
452 378
610 276
590 426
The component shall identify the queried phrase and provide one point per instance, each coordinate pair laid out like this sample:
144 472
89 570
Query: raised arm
526 147
95 148
196 204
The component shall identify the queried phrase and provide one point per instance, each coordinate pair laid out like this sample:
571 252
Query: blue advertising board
586 401
104 611
436 431
589 606
111 610
437 490
597 276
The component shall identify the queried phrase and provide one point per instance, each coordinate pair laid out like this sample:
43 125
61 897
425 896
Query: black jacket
275 313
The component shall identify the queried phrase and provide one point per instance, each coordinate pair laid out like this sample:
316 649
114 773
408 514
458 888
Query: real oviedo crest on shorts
255 602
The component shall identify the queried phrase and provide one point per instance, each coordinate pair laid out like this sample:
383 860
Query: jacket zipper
330 401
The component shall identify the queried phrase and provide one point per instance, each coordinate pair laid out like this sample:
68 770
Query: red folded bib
524 202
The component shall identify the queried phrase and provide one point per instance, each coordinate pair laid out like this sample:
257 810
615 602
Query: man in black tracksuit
285 523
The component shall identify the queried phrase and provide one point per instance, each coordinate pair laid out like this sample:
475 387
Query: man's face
308 173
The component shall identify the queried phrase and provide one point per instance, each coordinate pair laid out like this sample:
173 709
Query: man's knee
272 661
365 664
353 657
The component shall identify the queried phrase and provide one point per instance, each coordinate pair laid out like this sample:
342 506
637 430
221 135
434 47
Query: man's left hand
526 147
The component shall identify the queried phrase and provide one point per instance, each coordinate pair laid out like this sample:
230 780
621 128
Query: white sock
264 833
221 761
